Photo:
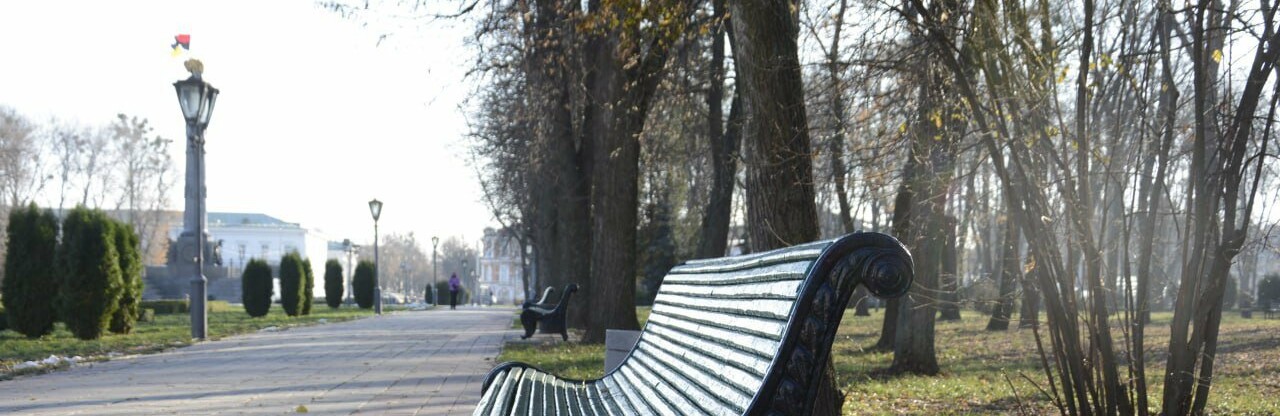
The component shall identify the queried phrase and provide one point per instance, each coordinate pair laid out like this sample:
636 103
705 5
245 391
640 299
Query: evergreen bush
256 288
291 284
308 286
30 285
89 266
362 284
1269 290
464 296
333 283
130 256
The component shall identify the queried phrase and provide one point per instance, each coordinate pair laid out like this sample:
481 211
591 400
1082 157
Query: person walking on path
454 285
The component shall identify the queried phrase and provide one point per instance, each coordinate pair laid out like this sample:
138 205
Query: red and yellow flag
181 43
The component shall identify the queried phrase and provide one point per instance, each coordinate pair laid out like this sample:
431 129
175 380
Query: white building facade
244 236
501 278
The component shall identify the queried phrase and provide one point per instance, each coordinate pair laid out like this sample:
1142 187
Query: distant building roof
241 219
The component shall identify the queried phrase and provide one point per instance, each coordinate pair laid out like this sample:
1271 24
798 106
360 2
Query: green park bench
745 335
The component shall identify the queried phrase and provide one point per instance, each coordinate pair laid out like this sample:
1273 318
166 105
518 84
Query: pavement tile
407 363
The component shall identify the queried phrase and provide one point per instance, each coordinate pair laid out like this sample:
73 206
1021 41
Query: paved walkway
408 363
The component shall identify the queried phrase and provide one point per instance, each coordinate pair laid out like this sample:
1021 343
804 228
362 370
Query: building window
266 251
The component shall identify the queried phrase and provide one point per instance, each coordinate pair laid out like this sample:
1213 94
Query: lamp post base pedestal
377 301
199 315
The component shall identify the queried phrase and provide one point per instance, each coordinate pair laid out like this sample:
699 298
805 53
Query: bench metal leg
530 322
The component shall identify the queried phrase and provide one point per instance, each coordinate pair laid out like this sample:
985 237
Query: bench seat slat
782 289
705 366
595 400
490 398
742 381
524 393
644 391
706 391
750 363
673 395
775 272
726 323
617 395
774 309
795 253
754 344
638 403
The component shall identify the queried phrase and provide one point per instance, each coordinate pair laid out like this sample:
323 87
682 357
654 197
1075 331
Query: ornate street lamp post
196 98
375 208
435 298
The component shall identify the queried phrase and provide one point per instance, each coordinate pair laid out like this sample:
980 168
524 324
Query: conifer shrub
1269 290
130 256
30 285
362 284
333 286
291 284
89 269
308 286
256 288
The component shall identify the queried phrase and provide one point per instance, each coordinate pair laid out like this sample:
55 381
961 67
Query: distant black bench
550 320
1270 310
542 302
737 335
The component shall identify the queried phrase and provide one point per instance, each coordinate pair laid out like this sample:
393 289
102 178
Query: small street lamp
350 249
375 208
196 98
435 296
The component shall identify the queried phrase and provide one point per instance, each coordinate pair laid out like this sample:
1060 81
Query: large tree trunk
622 78
781 209
1010 274
610 121
713 237
836 144
559 199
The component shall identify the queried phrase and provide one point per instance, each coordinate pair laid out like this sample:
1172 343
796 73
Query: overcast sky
318 113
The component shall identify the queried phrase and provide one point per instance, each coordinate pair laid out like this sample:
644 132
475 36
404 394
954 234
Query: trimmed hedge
256 288
333 283
30 285
442 289
91 283
291 284
167 306
130 256
308 286
362 284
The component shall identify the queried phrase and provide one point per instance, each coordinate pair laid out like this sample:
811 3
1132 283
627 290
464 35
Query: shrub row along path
406 363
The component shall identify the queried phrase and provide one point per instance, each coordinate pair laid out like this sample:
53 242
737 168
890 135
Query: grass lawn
984 372
167 331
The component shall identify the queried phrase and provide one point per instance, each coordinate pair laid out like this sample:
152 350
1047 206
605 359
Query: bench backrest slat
717 324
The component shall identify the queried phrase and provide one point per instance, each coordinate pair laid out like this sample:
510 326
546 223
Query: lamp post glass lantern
196 99
435 241
375 208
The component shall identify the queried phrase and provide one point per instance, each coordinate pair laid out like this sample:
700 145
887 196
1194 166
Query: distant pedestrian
454 285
